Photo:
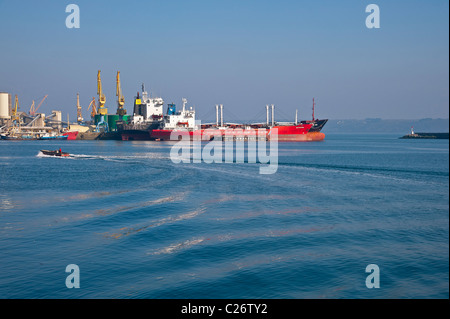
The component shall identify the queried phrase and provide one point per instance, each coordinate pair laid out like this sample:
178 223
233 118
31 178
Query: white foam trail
121 158
178 246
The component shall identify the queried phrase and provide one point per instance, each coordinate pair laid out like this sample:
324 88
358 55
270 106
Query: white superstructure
147 108
184 119
149 114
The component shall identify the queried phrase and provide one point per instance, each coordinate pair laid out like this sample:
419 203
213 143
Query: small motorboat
55 153
53 137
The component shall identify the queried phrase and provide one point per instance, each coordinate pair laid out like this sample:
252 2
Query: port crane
101 97
94 108
79 115
15 116
120 98
33 110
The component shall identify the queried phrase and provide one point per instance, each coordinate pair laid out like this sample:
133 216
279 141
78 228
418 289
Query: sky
243 54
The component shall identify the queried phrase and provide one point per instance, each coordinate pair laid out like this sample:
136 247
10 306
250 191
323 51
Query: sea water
138 225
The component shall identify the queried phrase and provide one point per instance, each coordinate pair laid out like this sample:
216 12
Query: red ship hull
308 137
296 133
72 135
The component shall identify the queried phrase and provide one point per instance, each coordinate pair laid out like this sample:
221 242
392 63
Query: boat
149 123
9 137
15 137
53 137
36 133
175 125
55 153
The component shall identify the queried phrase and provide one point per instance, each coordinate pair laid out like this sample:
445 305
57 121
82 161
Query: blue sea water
140 226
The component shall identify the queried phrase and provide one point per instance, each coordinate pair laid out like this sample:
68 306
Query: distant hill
376 125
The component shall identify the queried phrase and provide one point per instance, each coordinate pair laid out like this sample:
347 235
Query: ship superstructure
147 109
184 119
147 115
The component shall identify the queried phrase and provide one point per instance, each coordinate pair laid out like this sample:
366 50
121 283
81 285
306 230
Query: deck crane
79 115
34 110
120 98
94 108
101 97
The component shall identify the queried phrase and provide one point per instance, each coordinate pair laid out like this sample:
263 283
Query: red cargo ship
149 123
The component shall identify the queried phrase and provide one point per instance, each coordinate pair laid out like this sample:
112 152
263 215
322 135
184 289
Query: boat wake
118 158
362 169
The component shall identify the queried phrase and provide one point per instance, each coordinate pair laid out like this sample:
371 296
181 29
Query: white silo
4 106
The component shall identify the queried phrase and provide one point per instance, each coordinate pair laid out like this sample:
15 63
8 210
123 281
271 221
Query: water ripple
127 231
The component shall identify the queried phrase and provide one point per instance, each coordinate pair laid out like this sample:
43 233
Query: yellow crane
79 115
94 108
15 116
33 110
101 97
120 98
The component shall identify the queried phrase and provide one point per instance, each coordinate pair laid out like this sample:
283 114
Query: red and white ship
176 124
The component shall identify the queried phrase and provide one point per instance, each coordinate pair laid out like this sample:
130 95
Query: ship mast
313 110
79 114
221 115
217 115
273 115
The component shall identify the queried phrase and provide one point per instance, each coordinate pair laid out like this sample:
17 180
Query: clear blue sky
242 54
